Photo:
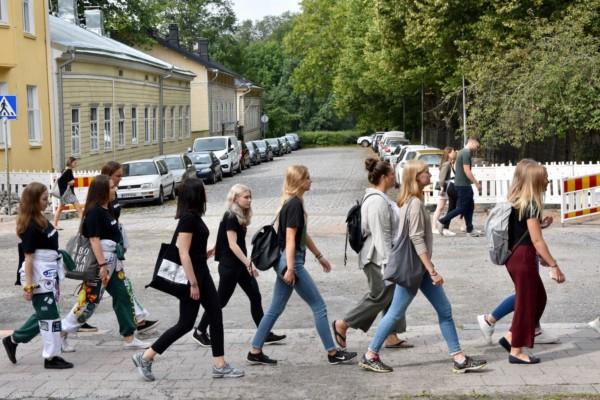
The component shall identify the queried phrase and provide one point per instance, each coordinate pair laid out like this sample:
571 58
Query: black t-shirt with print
35 238
193 223
116 209
223 252
292 216
63 181
99 222
517 228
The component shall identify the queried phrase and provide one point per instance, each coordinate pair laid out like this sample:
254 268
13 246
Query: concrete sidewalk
105 371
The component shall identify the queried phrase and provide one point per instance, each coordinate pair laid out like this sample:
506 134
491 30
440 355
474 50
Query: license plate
128 195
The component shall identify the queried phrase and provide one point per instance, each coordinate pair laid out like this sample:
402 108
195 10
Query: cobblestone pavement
474 285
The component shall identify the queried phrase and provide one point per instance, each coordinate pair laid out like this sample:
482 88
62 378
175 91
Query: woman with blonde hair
527 244
235 268
415 177
291 274
445 180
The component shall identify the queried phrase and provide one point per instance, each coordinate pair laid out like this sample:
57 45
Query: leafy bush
329 138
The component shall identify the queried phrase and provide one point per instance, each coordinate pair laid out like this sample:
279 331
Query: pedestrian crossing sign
8 107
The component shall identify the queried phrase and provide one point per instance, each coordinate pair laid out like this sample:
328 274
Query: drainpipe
61 107
161 126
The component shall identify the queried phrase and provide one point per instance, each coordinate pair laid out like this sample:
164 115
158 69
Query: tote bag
169 276
84 266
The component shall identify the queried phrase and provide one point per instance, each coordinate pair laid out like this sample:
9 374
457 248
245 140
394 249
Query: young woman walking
487 322
415 177
446 176
191 239
235 268
102 229
40 275
379 224
65 185
525 222
291 274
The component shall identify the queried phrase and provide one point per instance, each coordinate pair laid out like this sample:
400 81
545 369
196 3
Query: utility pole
403 115
422 111
464 111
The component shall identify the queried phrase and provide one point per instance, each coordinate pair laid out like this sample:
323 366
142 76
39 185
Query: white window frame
3 12
28 7
134 130
172 122
154 126
164 123
121 127
34 123
146 125
4 91
75 131
108 128
180 122
94 130
188 128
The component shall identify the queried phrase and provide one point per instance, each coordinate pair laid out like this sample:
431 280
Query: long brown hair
110 168
98 193
410 186
446 156
30 210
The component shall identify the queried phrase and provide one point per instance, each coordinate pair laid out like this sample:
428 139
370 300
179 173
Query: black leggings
230 276
188 311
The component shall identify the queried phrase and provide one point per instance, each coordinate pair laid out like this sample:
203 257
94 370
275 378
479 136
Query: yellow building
218 95
115 102
24 61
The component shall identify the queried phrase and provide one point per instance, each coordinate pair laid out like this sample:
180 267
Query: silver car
180 166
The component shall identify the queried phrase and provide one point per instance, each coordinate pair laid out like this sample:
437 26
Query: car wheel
172 195
161 197
364 143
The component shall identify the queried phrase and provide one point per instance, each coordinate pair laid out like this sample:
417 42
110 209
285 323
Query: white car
407 153
389 145
146 181
226 148
365 141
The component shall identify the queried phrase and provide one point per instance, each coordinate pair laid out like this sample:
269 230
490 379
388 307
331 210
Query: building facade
24 60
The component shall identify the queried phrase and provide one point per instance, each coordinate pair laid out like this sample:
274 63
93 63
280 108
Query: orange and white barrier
580 197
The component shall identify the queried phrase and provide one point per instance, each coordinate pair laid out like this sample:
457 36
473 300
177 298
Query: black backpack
354 234
265 246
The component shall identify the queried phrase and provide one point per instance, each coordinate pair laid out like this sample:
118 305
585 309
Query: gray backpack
496 232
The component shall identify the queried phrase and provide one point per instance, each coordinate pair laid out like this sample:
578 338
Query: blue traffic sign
8 107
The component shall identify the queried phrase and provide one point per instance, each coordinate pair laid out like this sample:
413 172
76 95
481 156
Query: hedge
329 138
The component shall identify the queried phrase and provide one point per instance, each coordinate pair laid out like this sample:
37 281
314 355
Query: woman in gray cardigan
379 221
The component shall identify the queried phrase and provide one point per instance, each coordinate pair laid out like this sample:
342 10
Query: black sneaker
86 328
57 363
469 364
11 349
260 358
147 325
201 338
341 356
273 338
374 364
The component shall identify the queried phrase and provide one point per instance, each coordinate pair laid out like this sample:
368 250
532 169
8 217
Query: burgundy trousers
530 293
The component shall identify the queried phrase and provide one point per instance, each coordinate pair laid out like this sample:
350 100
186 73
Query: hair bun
370 164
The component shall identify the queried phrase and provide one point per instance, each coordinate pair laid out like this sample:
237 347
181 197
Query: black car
294 140
254 153
277 147
207 166
264 149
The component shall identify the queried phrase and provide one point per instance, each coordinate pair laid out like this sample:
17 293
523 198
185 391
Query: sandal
338 336
402 344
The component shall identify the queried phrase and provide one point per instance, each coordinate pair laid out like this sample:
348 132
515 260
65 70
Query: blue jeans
402 298
308 291
465 205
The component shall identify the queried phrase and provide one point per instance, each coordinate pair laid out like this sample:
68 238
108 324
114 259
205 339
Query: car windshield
261 145
411 155
210 144
139 168
200 158
273 141
174 163
431 159
395 142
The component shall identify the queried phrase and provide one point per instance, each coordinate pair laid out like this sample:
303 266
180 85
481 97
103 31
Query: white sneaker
545 338
136 344
475 233
434 229
487 330
595 324
66 347
448 232
439 228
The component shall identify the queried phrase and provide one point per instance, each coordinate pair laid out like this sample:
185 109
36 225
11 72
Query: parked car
296 138
276 146
365 141
253 151
407 153
286 144
145 181
389 145
376 139
264 149
226 148
293 139
245 161
180 166
207 166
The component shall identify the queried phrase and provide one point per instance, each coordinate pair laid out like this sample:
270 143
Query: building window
75 131
215 115
33 115
172 121
4 91
154 132
146 125
180 121
94 129
134 138
187 122
107 128
28 16
3 12
164 123
121 127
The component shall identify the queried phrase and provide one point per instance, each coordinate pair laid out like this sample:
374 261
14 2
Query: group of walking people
383 222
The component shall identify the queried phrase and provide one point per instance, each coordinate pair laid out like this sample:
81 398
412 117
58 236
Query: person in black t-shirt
102 229
291 273
191 237
67 196
235 268
40 275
